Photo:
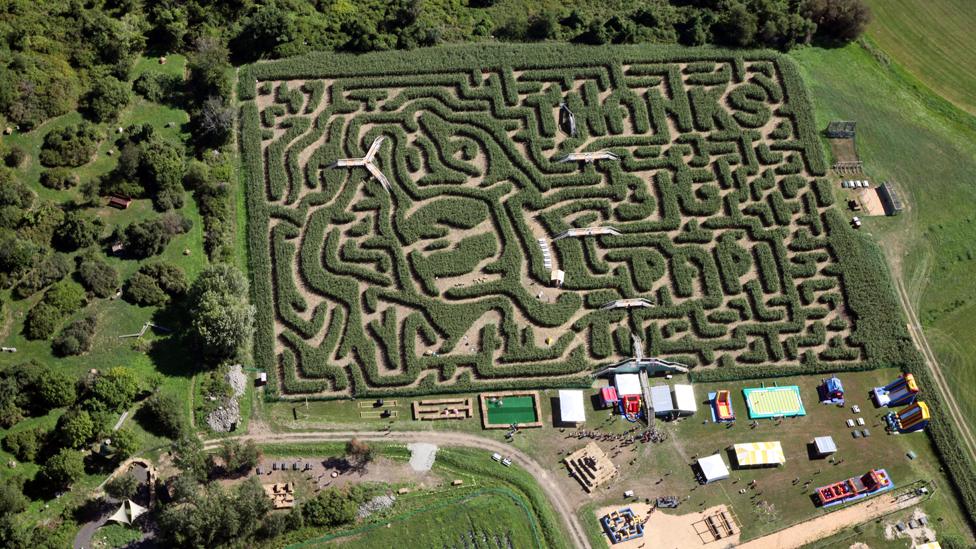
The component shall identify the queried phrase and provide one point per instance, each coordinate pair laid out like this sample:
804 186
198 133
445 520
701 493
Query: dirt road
922 343
555 494
831 523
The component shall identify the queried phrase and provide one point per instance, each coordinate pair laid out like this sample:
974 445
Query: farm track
921 342
560 502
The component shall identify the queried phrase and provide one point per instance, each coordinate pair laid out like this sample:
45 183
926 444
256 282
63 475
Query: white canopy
571 409
713 468
759 453
825 445
627 384
661 400
128 512
684 399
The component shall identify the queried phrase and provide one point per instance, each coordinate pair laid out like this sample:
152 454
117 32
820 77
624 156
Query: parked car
507 462
496 456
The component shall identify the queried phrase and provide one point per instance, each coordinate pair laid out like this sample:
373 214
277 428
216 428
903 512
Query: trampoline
512 409
766 402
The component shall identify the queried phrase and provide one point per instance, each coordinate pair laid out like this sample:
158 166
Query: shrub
63 468
98 277
162 414
70 146
53 268
151 236
158 87
76 338
15 157
59 179
78 230
42 321
25 444
75 428
154 284
106 98
56 389
115 389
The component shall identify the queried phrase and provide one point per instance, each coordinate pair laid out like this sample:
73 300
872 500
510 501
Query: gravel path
555 494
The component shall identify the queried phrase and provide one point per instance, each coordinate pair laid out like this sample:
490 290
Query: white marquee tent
571 409
713 468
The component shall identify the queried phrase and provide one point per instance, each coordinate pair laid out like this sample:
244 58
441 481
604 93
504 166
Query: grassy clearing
929 148
496 500
449 523
933 39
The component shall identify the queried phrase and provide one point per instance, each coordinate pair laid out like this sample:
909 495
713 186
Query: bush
42 321
53 268
63 469
70 146
98 277
15 157
106 98
158 87
56 389
151 236
59 179
155 284
115 389
162 414
65 296
123 486
329 508
75 428
25 444
76 338
78 230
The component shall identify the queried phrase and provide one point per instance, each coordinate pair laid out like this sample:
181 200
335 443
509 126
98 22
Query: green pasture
928 148
933 39
450 523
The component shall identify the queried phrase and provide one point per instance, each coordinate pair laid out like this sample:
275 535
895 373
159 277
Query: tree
25 444
125 442
53 268
12 499
261 33
36 87
162 414
106 98
98 277
141 289
76 428
222 324
42 321
738 26
162 165
838 19
15 157
116 388
151 236
158 87
78 230
359 454
56 389
208 65
63 468
239 457
122 487
65 296
329 508
222 278
189 457
216 120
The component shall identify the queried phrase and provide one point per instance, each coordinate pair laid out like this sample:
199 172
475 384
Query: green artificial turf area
929 149
512 409
934 40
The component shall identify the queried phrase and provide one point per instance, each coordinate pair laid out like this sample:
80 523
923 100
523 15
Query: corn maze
423 264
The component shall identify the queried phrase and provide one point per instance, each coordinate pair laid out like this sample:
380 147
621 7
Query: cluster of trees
149 166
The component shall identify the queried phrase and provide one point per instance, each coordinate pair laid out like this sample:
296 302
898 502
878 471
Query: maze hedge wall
439 285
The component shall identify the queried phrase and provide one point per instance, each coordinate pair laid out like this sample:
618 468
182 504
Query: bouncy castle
913 418
899 392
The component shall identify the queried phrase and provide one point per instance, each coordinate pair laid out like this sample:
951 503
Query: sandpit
664 531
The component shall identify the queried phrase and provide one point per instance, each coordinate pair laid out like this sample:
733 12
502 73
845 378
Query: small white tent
571 409
684 399
713 468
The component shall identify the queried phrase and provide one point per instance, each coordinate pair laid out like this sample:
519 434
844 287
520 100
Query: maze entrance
431 221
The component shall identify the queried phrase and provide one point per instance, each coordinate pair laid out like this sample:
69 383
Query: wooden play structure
717 526
282 494
590 466
445 408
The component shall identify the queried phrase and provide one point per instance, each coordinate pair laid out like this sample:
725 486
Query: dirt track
831 523
556 497
918 337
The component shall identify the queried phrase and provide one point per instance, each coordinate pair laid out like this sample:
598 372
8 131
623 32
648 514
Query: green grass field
929 148
934 40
